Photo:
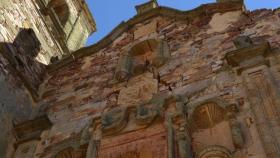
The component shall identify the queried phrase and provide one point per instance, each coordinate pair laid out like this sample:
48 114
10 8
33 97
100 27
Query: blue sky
109 13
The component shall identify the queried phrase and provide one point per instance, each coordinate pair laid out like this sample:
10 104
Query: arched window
61 9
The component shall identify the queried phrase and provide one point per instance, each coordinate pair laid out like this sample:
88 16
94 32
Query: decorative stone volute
145 115
114 120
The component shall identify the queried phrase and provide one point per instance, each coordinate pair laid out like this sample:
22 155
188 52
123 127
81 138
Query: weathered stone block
139 89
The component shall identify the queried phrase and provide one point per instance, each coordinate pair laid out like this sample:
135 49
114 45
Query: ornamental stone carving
114 120
145 115
214 151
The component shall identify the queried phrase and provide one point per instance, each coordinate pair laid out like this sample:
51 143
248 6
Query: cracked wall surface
87 87
166 83
29 38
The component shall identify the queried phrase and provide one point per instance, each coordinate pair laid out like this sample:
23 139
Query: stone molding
249 56
214 151
206 9
114 120
126 65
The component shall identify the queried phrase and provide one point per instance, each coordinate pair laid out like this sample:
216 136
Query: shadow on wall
22 64
18 70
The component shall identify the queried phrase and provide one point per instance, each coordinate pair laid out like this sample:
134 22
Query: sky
109 13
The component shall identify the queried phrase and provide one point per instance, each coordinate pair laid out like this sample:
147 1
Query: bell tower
70 21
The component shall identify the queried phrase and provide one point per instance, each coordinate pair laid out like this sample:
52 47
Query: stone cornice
249 57
236 57
88 16
203 10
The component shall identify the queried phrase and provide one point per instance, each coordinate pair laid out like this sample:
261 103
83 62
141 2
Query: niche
213 133
138 67
142 57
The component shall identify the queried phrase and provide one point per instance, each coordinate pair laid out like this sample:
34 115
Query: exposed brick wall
87 88
84 88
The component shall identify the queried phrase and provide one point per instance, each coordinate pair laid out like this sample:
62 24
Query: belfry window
61 9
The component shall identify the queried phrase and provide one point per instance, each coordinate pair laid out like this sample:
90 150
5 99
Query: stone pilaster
250 62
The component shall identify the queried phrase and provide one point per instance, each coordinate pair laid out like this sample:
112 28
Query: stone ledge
236 57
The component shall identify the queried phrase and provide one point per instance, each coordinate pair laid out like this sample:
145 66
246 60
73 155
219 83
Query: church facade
202 83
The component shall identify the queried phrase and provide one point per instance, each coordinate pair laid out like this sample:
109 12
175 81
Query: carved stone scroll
114 120
145 115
